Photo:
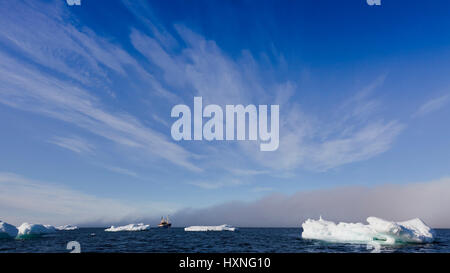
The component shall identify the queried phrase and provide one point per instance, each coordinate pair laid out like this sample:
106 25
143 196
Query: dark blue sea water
177 240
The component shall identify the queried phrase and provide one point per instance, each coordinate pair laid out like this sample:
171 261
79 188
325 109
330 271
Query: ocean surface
178 240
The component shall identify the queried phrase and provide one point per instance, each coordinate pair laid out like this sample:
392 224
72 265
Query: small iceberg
67 227
34 230
7 231
210 228
378 231
130 227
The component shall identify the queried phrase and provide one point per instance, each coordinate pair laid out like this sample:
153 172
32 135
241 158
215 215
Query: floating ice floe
7 230
67 227
130 227
33 230
378 231
210 228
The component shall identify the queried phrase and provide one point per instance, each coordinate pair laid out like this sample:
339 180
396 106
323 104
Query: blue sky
86 93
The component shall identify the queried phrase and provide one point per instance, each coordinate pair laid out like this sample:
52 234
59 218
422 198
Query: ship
165 223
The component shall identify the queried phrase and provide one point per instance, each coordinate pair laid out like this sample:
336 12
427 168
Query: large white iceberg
32 230
130 227
7 230
210 228
377 231
67 227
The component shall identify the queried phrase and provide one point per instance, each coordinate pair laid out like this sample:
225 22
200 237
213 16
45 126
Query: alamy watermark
73 2
374 2
74 246
213 129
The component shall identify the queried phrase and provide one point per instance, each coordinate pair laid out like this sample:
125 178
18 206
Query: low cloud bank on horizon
428 201
39 202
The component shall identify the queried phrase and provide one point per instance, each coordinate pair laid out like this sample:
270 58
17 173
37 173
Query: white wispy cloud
28 89
28 200
44 33
161 120
121 171
432 105
369 141
247 172
354 135
81 60
217 183
44 37
23 199
73 143
263 189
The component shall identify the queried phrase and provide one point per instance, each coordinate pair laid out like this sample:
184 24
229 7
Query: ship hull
165 226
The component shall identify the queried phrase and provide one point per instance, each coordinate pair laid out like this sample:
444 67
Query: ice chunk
7 230
378 230
411 231
130 227
210 228
32 230
342 232
67 227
